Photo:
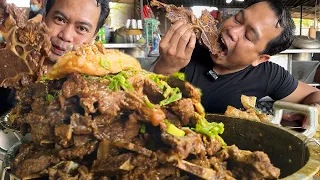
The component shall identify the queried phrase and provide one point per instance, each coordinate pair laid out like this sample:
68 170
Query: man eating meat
71 23
248 39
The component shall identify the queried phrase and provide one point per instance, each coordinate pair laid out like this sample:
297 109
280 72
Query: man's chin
215 57
53 57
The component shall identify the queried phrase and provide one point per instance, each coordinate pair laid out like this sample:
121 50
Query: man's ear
262 58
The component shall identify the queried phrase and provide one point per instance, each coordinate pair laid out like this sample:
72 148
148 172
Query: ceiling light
228 1
240 0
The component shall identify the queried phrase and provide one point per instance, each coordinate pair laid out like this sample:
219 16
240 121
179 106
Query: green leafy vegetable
175 96
159 80
167 91
105 63
43 78
179 75
224 144
173 130
143 128
51 97
211 129
170 94
148 103
118 81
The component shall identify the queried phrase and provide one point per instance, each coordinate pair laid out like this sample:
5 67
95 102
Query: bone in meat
27 43
204 27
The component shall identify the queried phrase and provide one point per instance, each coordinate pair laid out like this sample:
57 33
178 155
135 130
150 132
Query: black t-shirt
266 79
7 100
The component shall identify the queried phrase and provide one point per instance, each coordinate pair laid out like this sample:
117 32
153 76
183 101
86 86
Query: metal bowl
297 156
306 42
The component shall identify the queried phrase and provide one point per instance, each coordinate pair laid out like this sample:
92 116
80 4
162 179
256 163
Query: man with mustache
250 37
71 23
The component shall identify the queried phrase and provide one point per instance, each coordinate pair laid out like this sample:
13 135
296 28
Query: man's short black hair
103 14
284 40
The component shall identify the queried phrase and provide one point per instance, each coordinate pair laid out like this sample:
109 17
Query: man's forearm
313 98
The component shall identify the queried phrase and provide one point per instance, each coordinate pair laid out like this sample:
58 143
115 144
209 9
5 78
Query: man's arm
176 48
304 94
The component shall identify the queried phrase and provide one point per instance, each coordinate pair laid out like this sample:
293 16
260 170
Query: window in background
20 3
306 25
197 10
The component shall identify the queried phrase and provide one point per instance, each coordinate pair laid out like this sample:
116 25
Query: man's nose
235 32
66 34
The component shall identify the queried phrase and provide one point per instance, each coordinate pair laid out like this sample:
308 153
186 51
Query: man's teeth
223 41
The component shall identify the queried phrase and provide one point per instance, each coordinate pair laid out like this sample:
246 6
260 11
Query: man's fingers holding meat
187 44
177 46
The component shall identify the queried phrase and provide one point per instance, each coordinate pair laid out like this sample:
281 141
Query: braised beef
119 130
64 170
184 109
81 125
186 88
135 101
191 143
153 91
80 140
212 145
112 165
32 160
247 164
78 152
82 129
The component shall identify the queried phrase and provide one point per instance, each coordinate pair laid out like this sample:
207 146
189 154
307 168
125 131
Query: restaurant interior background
137 31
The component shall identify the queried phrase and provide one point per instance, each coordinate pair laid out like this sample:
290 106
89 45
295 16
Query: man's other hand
293 119
176 48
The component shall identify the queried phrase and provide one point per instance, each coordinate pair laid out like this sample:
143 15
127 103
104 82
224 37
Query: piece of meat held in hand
27 43
204 27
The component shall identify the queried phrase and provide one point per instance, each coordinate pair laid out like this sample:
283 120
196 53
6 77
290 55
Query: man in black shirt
251 36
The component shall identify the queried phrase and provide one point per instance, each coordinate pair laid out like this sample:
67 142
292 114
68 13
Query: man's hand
293 119
299 119
176 48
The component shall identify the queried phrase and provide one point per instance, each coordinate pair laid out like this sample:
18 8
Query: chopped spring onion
118 81
175 96
148 103
179 75
211 129
51 97
43 78
143 128
159 80
105 63
167 91
224 144
170 94
173 130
